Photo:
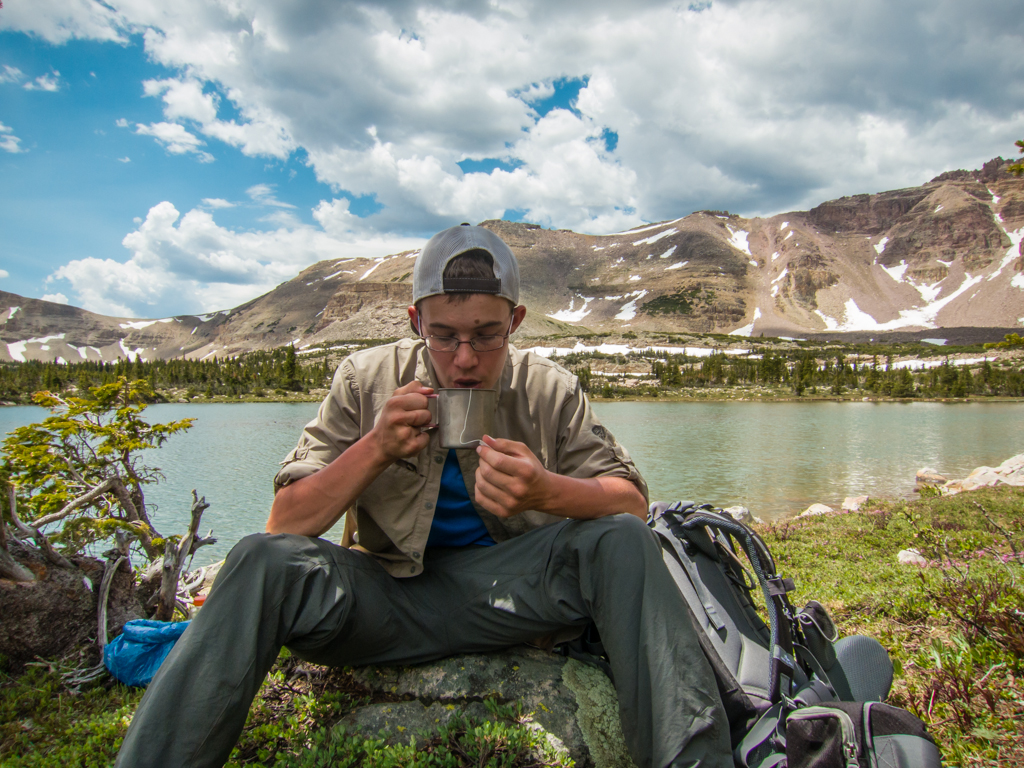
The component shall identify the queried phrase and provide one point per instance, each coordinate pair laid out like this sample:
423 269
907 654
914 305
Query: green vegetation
79 472
955 630
292 724
796 371
281 372
1018 168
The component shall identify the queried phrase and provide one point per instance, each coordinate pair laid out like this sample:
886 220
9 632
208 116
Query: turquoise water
775 458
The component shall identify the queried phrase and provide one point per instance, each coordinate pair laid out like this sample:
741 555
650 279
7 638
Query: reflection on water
775 458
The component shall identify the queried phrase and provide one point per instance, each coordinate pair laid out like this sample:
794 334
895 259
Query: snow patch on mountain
677 265
880 245
644 229
628 310
896 273
857 320
747 330
738 239
668 253
655 238
573 315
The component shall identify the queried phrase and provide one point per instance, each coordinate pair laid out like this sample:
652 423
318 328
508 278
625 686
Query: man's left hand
510 479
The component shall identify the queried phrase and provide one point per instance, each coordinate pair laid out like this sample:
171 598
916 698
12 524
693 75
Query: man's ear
518 314
414 320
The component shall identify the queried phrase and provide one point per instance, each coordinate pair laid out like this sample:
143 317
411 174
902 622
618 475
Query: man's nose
465 356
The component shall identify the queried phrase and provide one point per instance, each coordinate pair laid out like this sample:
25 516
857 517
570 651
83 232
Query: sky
159 159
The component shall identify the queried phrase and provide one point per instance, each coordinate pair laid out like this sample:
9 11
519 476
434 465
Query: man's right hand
398 432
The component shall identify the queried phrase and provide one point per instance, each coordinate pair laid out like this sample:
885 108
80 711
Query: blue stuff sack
134 656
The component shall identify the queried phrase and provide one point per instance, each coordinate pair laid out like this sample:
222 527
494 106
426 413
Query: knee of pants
268 555
614 538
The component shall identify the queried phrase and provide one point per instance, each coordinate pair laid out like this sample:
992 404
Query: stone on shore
929 476
853 503
1010 472
742 515
572 704
816 509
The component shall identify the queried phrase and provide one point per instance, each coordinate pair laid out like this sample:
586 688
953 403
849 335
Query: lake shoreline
697 396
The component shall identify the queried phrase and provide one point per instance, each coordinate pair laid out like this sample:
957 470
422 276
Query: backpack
795 693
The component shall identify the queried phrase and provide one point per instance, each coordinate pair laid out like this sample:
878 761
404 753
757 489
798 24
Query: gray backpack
786 673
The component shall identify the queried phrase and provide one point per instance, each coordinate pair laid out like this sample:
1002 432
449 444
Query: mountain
946 254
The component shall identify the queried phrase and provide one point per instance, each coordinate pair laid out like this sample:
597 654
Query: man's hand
398 432
510 479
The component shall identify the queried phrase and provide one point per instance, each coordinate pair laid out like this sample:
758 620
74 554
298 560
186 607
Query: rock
1010 472
929 476
573 704
853 503
742 515
49 617
816 509
911 557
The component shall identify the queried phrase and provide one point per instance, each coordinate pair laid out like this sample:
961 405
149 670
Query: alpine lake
773 458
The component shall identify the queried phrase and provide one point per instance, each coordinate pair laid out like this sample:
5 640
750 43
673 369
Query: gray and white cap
428 272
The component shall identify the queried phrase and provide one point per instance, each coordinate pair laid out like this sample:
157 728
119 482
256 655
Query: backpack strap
780 610
668 527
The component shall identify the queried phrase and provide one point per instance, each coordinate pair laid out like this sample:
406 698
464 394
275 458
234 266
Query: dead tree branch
174 559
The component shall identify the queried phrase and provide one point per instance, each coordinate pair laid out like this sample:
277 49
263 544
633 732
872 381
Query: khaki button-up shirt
539 404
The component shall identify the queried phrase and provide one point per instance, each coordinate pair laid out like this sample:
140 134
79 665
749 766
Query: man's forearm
585 498
310 506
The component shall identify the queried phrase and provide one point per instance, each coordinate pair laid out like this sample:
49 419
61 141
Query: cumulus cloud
56 298
175 139
217 202
4 273
48 82
189 263
755 106
8 141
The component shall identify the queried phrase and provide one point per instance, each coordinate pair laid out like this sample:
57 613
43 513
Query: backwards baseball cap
428 273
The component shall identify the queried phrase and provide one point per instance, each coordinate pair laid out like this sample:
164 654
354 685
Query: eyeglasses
478 343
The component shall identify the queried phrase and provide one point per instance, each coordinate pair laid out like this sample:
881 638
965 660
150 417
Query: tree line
802 372
259 373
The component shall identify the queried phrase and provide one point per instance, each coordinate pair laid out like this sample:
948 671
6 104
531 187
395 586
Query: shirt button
428 504
438 459
416 555
412 569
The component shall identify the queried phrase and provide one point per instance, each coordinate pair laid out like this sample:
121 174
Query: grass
955 631
290 725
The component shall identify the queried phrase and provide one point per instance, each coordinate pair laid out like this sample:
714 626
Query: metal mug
462 416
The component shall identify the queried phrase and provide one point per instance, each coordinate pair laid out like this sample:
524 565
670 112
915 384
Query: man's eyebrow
450 330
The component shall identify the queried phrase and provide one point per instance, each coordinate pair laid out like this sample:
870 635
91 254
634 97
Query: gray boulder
571 703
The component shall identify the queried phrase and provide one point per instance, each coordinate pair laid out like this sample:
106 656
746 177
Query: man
532 534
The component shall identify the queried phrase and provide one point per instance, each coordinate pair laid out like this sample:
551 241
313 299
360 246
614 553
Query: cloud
56 298
4 273
11 75
124 159
181 264
175 139
217 202
49 83
8 141
264 195
594 116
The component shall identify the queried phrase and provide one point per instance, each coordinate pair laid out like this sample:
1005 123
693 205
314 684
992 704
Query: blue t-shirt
456 522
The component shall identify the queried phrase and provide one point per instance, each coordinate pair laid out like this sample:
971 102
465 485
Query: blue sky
163 159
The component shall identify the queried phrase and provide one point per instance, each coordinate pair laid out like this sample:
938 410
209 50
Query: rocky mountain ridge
943 255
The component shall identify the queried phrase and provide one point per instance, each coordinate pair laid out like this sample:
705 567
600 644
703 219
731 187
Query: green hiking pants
336 606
